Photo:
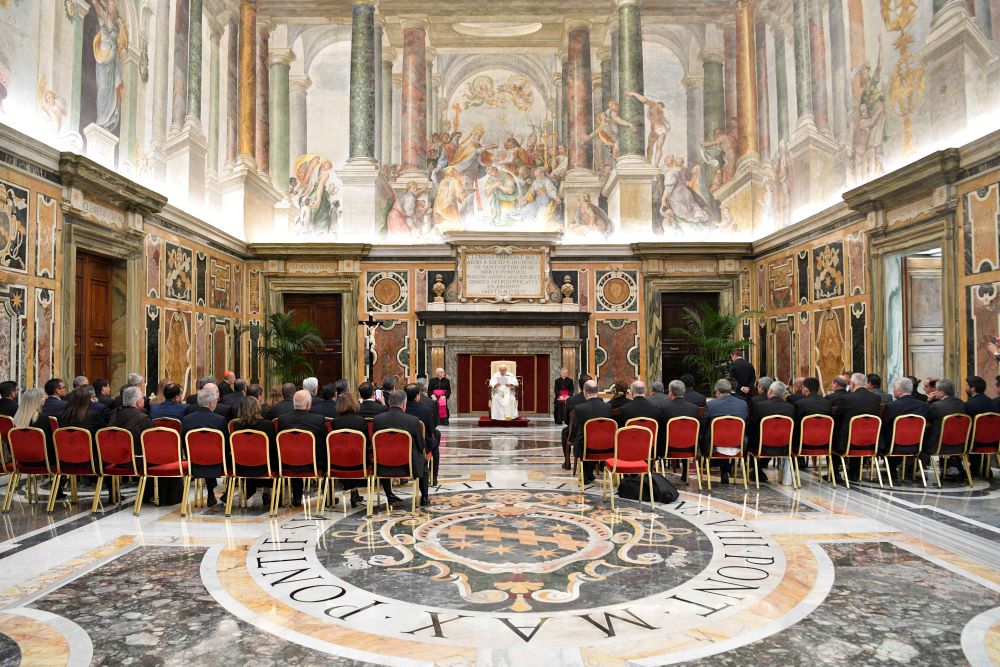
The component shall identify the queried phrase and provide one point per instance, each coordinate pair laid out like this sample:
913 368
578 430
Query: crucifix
369 326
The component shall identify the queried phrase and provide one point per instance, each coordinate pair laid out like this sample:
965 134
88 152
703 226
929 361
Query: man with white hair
503 405
860 401
311 385
205 416
774 404
301 418
904 404
131 416
725 404
640 406
134 380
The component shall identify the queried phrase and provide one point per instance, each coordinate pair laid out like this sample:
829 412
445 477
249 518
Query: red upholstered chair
274 422
862 442
727 432
115 459
370 421
168 422
251 456
74 457
347 458
205 450
907 434
652 425
231 426
598 443
391 460
985 440
633 455
161 457
953 441
53 423
776 433
296 460
6 424
29 457
329 424
816 440
682 442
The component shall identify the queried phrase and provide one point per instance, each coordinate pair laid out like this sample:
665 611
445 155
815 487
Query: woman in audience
29 415
349 419
619 397
250 418
274 397
82 410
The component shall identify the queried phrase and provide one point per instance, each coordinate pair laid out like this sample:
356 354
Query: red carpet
486 422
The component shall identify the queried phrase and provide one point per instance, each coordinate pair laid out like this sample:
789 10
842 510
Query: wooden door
923 324
674 347
323 310
92 343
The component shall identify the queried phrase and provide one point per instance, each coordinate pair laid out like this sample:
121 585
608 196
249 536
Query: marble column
614 63
263 149
579 96
161 77
938 5
781 84
839 76
431 100
298 121
248 82
609 91
279 60
630 78
596 97
746 80
214 93
803 58
79 13
715 94
817 56
180 82
694 89
729 49
362 127
193 108
232 92
379 28
564 114
440 114
388 56
557 81
414 101
763 106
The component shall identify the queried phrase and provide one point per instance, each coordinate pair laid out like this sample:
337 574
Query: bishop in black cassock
562 389
439 383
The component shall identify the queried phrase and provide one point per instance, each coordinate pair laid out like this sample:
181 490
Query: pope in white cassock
504 403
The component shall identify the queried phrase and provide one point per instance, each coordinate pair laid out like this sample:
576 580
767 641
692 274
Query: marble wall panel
830 350
237 300
781 276
201 293
153 251
617 291
392 344
856 263
981 218
616 351
14 204
255 291
47 228
983 306
175 352
828 271
201 346
152 345
220 345
783 337
13 331
802 274
804 346
220 283
859 338
45 334
387 291
178 278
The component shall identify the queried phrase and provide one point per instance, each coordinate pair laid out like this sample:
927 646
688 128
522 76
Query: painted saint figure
727 145
109 46
608 123
590 217
680 205
658 127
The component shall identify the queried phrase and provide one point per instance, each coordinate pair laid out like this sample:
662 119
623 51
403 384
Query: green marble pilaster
803 59
386 110
714 111
79 14
630 78
608 91
564 109
781 85
214 101
278 114
362 125
194 62
129 137
430 98
378 90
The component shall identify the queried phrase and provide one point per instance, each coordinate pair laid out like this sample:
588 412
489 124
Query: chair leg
609 478
652 500
373 488
53 492
923 477
756 471
968 468
697 470
229 496
156 492
829 470
11 485
878 470
708 473
97 494
413 499
138 497
275 491
746 475
843 467
888 470
796 473
579 473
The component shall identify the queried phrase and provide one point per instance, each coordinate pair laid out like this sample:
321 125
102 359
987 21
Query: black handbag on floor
663 490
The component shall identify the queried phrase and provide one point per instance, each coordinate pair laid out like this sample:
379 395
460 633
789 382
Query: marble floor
512 565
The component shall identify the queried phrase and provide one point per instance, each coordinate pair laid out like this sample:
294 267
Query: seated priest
504 401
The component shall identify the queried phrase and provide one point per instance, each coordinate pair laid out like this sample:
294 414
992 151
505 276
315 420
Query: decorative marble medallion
617 292
387 291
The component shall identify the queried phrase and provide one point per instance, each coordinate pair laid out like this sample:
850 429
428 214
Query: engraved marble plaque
503 274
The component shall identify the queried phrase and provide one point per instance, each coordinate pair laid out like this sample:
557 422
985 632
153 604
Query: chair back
6 424
168 422
776 433
206 447
599 438
346 454
682 438
74 451
296 447
647 422
370 421
274 422
634 443
726 431
114 449
53 423
954 434
985 434
27 448
250 449
231 426
907 434
391 450
329 424
816 435
160 446
862 435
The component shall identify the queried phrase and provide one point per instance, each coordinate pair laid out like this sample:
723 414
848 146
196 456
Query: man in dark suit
171 406
284 405
839 392
102 388
904 404
658 395
205 416
677 406
131 417
328 406
812 401
55 390
640 406
858 402
592 407
8 398
369 406
567 436
978 403
941 404
875 387
429 403
690 395
426 414
743 374
301 418
724 405
225 411
774 404
763 385
562 390
236 396
134 380
795 391
395 417
192 400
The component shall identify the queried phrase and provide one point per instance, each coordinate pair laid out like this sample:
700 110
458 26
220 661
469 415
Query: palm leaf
712 338
283 344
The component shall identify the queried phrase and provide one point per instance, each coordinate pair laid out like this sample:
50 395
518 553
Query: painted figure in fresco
680 206
402 220
590 217
109 46
658 127
560 165
313 195
782 185
52 106
451 195
723 142
542 199
503 192
868 125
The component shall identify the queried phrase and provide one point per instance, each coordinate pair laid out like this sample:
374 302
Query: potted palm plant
283 344
712 338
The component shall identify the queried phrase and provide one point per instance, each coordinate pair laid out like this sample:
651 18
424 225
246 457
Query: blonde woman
29 414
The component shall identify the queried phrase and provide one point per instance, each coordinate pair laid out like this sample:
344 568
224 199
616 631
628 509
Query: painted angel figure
658 127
